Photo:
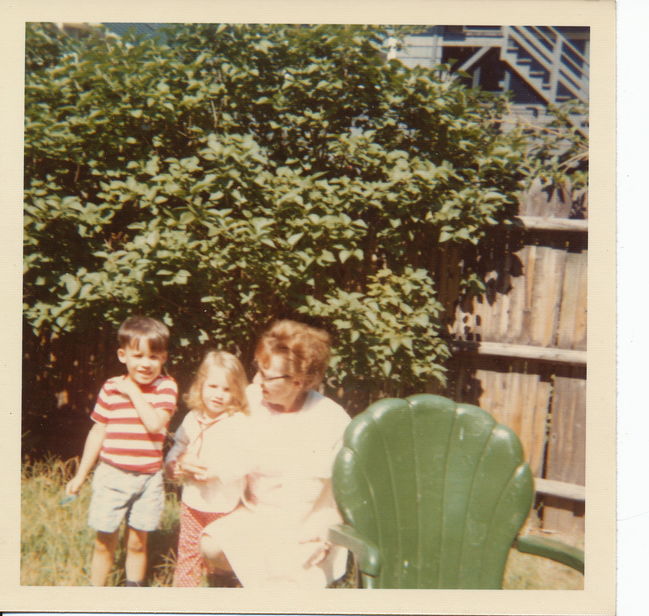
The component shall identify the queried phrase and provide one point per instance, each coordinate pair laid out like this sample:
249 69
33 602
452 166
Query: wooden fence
521 350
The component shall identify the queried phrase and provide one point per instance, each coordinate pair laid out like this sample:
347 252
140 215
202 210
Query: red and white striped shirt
128 444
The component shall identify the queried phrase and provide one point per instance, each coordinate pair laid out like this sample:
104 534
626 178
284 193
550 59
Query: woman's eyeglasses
267 379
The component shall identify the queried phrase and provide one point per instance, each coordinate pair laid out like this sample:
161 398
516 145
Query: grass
56 542
529 572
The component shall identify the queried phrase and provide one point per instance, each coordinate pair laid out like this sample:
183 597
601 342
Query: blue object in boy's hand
68 499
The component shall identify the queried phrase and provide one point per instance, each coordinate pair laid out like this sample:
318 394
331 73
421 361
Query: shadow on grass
163 542
162 556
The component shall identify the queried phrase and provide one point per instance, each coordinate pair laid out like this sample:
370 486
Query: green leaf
294 239
327 256
186 218
386 367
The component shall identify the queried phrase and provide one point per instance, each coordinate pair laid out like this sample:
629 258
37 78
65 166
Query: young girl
204 456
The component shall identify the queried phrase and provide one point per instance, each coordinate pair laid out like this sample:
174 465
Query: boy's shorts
116 493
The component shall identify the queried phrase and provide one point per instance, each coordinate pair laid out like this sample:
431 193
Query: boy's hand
127 387
154 419
74 485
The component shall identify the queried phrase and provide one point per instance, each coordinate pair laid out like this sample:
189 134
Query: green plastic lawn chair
433 495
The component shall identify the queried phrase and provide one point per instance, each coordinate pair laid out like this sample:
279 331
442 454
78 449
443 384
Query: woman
277 537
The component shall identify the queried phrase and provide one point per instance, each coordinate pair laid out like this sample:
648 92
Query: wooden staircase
544 59
547 61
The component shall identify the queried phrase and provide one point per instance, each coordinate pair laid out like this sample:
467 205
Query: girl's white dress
288 499
214 443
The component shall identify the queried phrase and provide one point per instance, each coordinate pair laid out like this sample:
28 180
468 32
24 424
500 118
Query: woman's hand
315 533
317 528
322 547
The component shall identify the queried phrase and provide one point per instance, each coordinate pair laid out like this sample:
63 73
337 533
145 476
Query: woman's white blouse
288 500
292 452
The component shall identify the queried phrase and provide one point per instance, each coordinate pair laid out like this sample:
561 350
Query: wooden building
538 65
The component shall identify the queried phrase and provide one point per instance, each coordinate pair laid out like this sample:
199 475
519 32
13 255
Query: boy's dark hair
138 328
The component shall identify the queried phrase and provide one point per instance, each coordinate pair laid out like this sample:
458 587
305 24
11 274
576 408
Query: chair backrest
440 488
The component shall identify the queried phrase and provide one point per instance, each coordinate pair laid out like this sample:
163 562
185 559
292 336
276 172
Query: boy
131 417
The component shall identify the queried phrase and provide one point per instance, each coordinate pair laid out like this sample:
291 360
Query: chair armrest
553 549
365 552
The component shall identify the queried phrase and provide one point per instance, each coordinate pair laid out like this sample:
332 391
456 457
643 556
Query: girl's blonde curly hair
234 374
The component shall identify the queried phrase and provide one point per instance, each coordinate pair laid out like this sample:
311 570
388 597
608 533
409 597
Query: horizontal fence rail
520 350
523 351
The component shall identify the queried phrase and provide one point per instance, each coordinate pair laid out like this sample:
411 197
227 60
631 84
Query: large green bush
235 174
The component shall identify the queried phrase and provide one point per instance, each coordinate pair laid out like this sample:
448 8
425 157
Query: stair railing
565 64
